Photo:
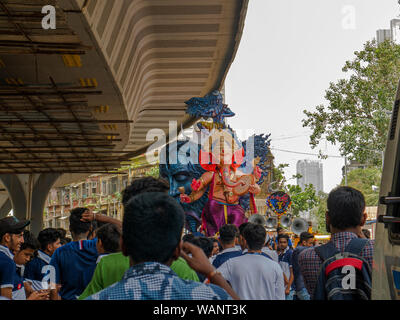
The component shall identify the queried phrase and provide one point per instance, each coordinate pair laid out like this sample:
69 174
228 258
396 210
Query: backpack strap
326 251
356 245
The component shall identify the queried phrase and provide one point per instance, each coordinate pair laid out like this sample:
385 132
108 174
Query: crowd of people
148 256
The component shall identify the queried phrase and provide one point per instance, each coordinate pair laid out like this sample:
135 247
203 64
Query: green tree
363 180
358 112
302 200
318 213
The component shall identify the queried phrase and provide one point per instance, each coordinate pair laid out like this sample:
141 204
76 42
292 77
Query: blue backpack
343 275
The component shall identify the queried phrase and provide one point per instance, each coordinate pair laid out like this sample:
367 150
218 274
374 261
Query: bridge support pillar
28 193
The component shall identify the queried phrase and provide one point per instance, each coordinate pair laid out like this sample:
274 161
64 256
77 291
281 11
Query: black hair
48 236
188 237
152 227
204 243
242 227
146 184
304 236
255 235
62 232
65 240
75 224
279 229
345 207
283 236
228 233
110 235
30 241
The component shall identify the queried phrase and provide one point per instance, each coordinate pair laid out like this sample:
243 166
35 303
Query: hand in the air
195 185
87 216
185 198
198 260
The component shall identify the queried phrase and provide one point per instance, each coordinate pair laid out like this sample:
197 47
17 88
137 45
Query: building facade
311 173
392 34
100 193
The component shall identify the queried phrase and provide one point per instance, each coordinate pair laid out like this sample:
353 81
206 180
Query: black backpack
335 282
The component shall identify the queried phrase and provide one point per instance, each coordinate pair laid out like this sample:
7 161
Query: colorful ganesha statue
221 156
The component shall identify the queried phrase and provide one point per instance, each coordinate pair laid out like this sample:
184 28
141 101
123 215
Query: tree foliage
318 214
357 115
363 180
302 200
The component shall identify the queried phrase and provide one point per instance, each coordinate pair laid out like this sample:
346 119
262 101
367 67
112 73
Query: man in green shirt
112 267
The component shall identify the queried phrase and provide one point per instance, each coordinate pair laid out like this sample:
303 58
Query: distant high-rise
311 172
389 34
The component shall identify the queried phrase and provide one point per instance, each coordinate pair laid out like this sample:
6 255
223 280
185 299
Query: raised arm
198 188
88 216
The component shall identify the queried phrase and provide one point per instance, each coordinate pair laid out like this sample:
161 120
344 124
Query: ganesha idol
221 157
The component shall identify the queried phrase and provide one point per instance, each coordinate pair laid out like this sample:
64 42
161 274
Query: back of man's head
255 235
30 241
141 185
204 243
110 236
346 206
48 236
242 227
305 236
228 233
77 226
152 227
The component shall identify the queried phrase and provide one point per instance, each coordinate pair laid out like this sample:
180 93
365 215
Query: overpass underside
80 99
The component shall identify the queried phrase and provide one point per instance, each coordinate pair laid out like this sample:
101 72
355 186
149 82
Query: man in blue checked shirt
151 237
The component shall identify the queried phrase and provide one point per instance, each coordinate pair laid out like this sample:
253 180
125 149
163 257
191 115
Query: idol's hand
254 188
195 185
185 198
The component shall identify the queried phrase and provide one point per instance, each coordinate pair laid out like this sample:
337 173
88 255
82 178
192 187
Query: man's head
50 240
242 240
306 239
11 232
147 184
109 236
152 228
204 243
255 236
62 232
77 227
283 241
188 237
27 249
227 235
346 209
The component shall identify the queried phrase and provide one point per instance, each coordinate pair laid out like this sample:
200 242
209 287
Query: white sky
289 53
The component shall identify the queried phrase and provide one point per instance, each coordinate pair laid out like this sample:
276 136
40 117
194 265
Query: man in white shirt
254 275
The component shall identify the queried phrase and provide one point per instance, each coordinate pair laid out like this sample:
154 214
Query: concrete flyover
80 99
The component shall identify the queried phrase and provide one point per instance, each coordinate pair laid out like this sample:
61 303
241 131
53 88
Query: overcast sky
289 53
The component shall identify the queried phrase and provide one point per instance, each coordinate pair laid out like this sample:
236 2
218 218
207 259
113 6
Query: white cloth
254 277
271 253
